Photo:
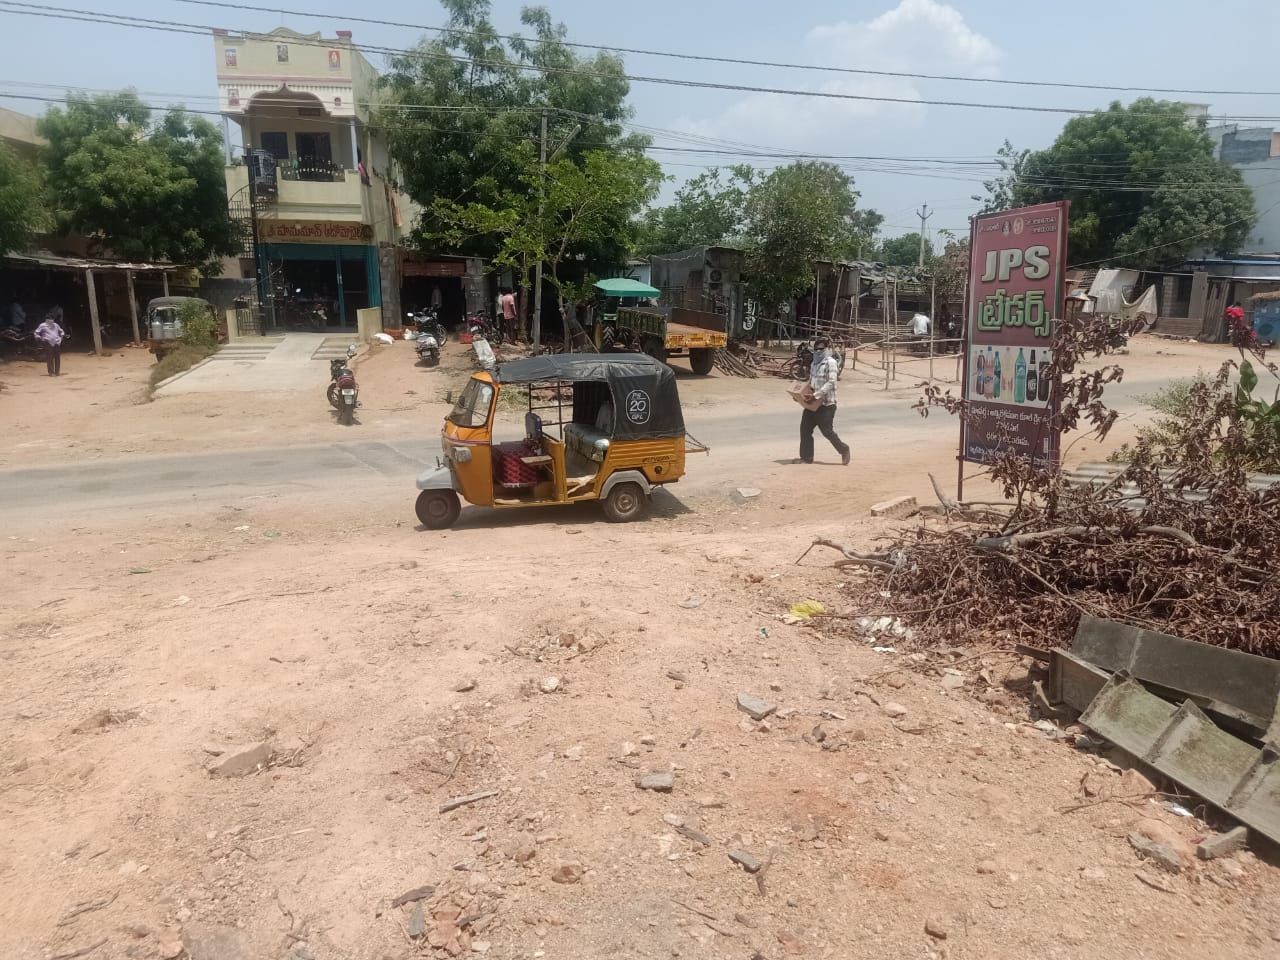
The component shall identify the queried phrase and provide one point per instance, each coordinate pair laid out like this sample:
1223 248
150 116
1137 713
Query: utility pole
924 214
543 158
536 326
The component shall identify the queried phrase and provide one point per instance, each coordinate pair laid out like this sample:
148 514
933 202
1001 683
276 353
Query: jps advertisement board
1016 264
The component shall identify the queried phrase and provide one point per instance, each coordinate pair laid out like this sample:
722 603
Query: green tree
950 272
711 209
22 211
1143 183
142 190
904 251
555 219
796 214
1002 190
707 210
464 112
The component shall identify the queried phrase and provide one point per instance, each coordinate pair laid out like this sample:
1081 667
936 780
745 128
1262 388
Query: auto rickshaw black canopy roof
646 403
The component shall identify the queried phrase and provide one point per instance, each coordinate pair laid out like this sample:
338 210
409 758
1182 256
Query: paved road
193 478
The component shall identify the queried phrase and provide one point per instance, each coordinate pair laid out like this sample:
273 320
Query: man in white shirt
50 334
823 374
919 325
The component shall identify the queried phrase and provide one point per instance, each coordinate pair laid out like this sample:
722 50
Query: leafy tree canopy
784 220
464 109
794 215
712 209
22 210
1143 183
144 190
553 219
904 251
708 210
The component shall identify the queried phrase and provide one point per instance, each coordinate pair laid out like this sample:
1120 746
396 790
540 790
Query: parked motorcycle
20 345
803 362
343 392
1117 336
480 325
428 321
428 348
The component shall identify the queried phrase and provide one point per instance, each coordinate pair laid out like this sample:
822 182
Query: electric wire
90 16
738 61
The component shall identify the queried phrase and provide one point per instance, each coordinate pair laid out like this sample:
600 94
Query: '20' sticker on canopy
638 406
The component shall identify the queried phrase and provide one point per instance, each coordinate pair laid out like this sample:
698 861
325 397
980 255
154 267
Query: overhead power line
90 16
935 168
741 61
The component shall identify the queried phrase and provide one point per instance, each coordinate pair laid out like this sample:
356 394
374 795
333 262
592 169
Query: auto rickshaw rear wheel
438 509
624 502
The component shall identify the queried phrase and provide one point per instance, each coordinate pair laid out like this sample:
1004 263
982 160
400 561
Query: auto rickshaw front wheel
438 509
624 503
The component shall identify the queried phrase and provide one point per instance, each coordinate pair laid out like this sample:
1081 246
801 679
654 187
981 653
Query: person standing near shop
823 373
51 335
508 302
17 316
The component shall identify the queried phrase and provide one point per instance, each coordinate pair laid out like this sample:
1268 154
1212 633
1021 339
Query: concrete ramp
290 362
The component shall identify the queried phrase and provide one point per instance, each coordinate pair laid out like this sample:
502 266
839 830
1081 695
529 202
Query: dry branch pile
1205 570
1179 541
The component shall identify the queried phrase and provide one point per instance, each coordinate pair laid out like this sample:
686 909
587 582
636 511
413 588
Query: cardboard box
801 394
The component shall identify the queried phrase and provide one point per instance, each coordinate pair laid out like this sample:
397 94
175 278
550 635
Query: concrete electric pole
924 214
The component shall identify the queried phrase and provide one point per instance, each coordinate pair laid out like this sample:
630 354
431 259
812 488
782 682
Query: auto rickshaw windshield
472 408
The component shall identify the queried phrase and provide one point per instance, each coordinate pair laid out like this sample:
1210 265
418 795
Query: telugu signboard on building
1016 261
314 231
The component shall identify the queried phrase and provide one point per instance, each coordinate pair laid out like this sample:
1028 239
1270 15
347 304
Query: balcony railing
311 169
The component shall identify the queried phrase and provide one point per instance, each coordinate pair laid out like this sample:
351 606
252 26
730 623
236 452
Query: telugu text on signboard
314 231
1016 263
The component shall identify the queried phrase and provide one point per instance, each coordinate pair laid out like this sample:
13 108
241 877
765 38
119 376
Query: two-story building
329 212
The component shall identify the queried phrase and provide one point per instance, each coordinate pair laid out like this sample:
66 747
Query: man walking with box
823 373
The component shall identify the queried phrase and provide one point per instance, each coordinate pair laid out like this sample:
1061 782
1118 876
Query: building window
315 157
229 57
276 144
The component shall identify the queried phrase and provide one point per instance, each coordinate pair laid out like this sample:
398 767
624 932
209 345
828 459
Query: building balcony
312 191
325 193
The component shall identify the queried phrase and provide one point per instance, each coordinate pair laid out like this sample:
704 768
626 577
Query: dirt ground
391 669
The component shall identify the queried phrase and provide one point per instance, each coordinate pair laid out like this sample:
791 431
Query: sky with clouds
901 153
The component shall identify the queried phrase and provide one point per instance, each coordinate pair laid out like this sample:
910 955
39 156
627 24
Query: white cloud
924 36
917 35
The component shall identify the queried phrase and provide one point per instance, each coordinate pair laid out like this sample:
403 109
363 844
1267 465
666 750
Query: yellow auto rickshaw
598 427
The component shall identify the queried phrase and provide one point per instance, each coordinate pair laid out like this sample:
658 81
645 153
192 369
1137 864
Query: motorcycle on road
343 392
